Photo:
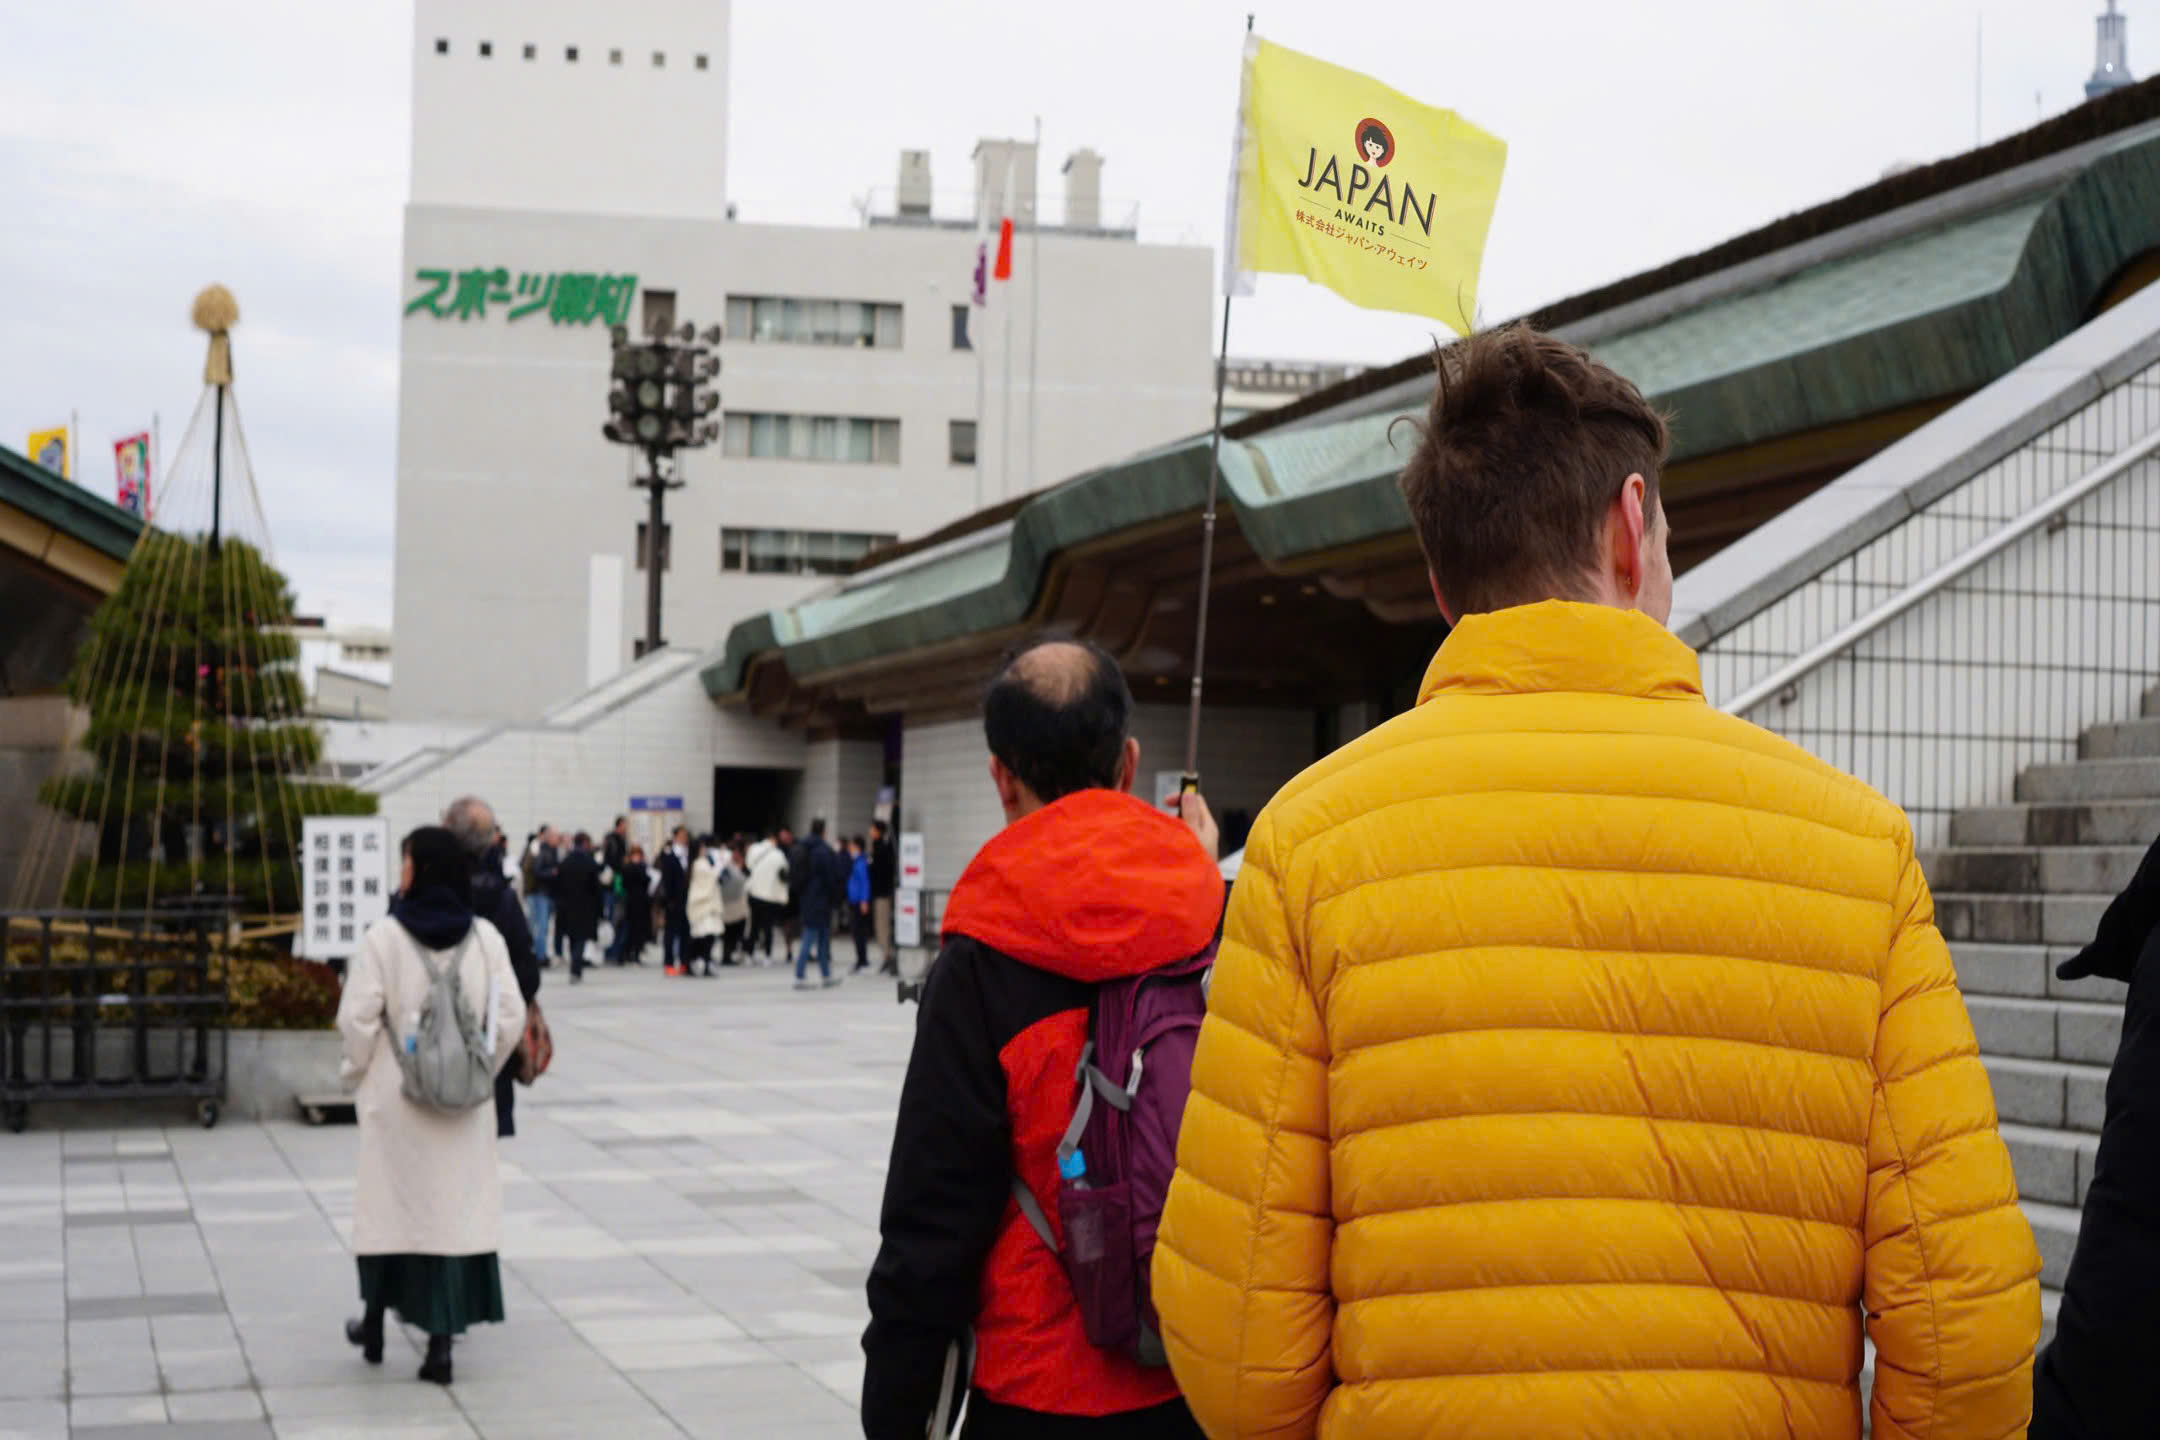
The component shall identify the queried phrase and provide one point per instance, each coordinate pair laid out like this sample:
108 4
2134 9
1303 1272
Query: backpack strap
1032 1209
427 963
1092 1083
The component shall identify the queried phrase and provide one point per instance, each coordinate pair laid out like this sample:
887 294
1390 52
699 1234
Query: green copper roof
1934 311
66 506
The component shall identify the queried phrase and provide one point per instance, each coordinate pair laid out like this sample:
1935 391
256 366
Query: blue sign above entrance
656 802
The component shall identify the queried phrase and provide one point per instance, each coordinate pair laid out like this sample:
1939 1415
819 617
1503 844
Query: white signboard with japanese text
911 860
345 882
907 920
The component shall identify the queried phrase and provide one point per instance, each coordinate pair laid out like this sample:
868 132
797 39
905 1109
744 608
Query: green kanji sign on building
566 297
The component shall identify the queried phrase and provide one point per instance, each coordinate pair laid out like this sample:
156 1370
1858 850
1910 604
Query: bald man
1085 884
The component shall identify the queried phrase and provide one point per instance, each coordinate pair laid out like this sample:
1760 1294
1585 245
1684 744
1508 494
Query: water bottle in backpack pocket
1120 1151
445 1058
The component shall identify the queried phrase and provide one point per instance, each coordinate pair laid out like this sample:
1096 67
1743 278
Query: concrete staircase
2022 887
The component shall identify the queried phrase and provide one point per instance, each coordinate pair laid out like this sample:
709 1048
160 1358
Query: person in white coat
768 865
704 907
427 1209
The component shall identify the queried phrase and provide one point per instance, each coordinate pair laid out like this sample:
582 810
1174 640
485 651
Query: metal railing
112 1005
1942 577
1981 634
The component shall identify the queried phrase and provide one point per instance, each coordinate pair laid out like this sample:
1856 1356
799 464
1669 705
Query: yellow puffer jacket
1580 1061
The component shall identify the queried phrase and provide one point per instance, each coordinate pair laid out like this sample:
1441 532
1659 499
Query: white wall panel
550 133
665 741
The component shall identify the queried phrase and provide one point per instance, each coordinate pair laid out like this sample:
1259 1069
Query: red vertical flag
1003 270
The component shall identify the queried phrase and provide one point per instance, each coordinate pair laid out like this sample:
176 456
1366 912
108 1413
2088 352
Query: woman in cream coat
707 916
427 1211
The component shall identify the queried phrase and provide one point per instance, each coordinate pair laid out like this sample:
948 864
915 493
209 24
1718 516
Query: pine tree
197 734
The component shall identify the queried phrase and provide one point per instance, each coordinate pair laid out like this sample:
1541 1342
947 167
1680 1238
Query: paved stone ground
690 1209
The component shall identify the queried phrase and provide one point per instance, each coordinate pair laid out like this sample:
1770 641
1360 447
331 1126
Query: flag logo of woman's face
1375 142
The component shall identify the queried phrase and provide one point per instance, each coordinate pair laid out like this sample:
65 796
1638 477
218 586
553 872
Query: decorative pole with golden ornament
216 312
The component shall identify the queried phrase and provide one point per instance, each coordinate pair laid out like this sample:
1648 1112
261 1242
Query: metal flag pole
1191 779
978 320
1207 561
982 392
1034 299
1005 445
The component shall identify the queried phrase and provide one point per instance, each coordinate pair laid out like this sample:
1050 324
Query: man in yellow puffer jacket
1582 1061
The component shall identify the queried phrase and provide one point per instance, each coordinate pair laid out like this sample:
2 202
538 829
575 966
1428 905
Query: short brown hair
1528 441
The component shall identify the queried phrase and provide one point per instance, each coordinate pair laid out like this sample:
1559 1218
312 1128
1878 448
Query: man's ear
1629 523
1129 766
1007 783
1447 611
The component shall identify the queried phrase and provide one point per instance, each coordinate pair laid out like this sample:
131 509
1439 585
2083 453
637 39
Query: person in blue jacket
858 899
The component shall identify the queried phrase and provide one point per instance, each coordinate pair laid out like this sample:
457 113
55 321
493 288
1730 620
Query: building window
659 313
960 339
796 552
487 49
667 546
846 439
614 57
863 324
659 59
442 47
570 54
531 51
702 62
960 444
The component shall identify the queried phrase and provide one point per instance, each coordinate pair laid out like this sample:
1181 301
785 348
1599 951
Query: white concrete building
549 201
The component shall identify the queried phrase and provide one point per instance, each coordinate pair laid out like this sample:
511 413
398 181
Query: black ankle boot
367 1333
437 1365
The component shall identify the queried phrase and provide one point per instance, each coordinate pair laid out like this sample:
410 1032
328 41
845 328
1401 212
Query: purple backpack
1118 1154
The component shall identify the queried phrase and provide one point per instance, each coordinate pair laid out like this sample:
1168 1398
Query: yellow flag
50 449
1360 188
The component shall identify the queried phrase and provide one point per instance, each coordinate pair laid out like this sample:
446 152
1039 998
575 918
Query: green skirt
441 1294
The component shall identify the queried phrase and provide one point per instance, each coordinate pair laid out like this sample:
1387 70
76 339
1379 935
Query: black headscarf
437 909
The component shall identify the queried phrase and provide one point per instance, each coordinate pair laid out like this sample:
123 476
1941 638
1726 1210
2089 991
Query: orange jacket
1580 1062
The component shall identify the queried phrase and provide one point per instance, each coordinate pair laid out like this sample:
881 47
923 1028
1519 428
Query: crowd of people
1572 1059
771 899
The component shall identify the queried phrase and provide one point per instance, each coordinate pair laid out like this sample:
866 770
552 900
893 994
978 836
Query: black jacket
884 869
614 849
577 896
2096 1382
637 908
823 875
797 874
674 880
547 869
494 901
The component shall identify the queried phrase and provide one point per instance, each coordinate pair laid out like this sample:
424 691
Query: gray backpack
446 1061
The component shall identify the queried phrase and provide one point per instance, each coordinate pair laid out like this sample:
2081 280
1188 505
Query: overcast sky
148 148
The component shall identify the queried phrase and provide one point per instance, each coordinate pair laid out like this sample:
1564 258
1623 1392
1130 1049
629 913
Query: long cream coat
702 904
428 1182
